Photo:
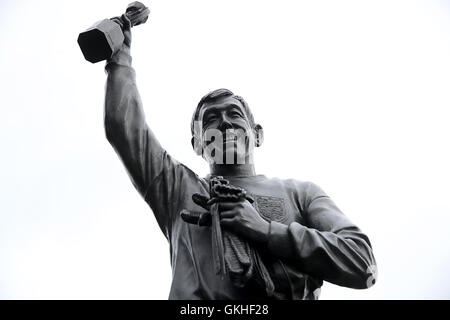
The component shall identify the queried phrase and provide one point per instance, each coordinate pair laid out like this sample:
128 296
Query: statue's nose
225 122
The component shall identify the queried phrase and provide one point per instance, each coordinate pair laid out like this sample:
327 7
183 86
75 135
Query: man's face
226 133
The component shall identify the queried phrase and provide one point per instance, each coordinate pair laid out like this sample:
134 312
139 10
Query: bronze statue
233 234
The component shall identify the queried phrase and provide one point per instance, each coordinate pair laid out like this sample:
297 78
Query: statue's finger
126 29
226 205
212 201
189 217
201 200
126 22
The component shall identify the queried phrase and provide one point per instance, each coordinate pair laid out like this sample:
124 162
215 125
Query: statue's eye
209 118
235 114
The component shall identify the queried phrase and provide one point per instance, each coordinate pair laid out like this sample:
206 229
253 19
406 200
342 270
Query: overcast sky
353 95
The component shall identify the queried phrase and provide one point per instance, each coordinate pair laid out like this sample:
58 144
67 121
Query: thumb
126 28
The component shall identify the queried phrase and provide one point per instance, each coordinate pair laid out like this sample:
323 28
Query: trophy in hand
105 37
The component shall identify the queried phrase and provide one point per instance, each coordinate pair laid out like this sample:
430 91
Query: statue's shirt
297 255
310 239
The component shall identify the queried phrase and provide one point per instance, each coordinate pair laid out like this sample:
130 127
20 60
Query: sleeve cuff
120 58
279 242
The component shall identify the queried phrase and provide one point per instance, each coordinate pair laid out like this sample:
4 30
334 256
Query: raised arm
125 125
330 247
155 174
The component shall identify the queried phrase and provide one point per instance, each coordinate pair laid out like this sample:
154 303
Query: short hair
216 95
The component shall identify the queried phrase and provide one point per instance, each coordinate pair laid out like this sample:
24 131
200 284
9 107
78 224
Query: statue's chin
228 154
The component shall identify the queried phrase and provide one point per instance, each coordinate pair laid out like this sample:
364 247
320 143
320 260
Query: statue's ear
196 145
259 135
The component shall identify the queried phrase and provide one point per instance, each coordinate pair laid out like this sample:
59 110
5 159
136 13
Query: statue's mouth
233 136
230 139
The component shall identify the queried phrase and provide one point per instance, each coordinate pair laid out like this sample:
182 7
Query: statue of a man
280 240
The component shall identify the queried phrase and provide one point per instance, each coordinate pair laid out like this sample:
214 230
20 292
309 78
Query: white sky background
353 95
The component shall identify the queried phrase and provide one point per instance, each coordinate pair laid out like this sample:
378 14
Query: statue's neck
232 170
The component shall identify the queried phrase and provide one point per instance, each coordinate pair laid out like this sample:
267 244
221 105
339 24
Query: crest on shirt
270 208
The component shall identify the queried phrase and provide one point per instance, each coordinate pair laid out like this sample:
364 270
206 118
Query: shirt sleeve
329 246
153 172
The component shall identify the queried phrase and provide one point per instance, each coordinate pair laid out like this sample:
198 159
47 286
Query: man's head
223 129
